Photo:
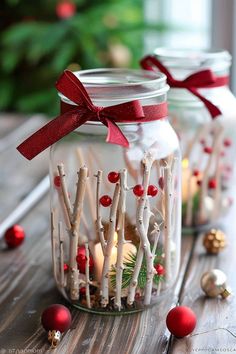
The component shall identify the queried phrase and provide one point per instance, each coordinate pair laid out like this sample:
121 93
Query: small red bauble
207 149
82 291
227 142
138 190
152 190
65 9
212 184
161 182
81 260
181 321
57 181
159 269
56 317
105 201
113 177
66 267
196 173
14 236
199 182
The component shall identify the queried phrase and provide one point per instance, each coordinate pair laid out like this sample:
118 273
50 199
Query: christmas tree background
40 39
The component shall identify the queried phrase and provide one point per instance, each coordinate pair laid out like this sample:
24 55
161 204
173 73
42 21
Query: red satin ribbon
74 116
198 80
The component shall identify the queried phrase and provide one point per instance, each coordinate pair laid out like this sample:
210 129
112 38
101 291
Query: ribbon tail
212 109
115 135
50 133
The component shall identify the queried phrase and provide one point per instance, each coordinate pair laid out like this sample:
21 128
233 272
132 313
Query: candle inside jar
188 177
128 248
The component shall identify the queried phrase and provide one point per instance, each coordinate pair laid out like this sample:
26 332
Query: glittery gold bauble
214 241
213 283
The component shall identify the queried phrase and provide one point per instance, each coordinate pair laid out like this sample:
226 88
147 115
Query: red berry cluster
81 260
138 190
159 269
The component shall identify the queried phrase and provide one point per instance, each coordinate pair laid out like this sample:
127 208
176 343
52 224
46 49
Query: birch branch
99 225
53 238
167 221
121 237
65 193
108 249
61 255
87 276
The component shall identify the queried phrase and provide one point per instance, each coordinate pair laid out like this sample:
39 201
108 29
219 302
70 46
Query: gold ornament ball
213 283
214 241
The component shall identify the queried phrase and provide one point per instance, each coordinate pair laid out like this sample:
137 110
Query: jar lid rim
121 84
193 58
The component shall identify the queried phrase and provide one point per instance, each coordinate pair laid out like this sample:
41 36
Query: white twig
156 231
167 222
53 242
99 225
61 255
87 276
121 237
109 246
206 174
65 193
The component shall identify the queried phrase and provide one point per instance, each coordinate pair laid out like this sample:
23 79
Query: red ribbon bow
200 79
71 87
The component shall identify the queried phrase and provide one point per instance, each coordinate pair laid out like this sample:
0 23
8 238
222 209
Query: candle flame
185 163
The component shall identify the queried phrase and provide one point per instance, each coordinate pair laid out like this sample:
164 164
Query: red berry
181 321
199 182
81 260
212 184
66 267
159 269
57 181
138 190
161 182
207 150
105 201
82 291
65 9
227 142
196 173
202 142
113 177
152 190
14 236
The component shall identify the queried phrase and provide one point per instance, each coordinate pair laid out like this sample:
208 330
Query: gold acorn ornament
214 241
213 283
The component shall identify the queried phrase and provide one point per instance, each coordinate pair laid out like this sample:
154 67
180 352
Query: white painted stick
121 237
167 221
99 225
87 276
109 246
65 193
53 243
61 255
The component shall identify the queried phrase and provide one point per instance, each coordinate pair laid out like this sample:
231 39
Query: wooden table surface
27 286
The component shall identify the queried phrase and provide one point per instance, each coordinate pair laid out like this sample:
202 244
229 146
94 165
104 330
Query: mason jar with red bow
203 113
115 168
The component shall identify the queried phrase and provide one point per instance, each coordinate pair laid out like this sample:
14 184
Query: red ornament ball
159 269
65 9
105 201
152 190
212 184
181 321
57 181
138 190
196 173
66 267
56 317
81 260
14 236
113 177
161 182
207 149
227 142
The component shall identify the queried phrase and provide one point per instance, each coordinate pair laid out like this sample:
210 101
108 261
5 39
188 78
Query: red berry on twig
57 181
227 142
196 173
161 182
105 200
212 184
159 269
152 190
113 177
138 190
207 150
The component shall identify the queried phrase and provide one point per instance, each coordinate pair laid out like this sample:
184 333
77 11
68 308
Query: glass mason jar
208 145
116 211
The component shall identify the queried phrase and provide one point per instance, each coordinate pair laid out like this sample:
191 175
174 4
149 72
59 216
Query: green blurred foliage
36 46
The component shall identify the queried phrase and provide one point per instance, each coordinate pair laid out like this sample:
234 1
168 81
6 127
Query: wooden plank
212 314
